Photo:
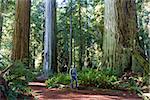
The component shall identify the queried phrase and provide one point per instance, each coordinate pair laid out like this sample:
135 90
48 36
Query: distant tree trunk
22 31
120 31
87 59
70 57
81 38
66 43
50 57
1 19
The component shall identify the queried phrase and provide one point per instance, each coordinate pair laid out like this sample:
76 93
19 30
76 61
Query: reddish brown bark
22 30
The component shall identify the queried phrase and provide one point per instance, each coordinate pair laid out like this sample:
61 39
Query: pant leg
71 82
76 82
73 78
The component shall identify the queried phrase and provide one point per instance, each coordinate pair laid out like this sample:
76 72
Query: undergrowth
87 77
17 79
106 79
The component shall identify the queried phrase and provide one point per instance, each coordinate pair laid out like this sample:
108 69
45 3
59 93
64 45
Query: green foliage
18 78
57 79
106 79
7 31
3 90
143 20
87 77
132 84
146 80
37 30
102 79
92 27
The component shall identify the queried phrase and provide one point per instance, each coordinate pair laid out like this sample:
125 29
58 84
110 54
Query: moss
141 60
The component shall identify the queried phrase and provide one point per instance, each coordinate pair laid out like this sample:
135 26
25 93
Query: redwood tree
22 30
120 32
50 54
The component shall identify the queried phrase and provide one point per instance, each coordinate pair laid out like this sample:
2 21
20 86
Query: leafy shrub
87 77
106 78
18 77
146 80
132 84
57 79
100 79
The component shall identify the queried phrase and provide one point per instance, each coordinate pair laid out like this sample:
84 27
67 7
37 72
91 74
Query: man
73 75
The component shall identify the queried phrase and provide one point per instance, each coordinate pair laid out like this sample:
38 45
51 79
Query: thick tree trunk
22 30
50 57
120 30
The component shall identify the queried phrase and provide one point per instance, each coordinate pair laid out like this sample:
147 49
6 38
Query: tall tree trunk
120 31
81 37
1 19
66 42
50 57
22 31
70 58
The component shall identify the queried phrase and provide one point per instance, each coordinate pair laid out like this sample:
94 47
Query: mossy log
142 61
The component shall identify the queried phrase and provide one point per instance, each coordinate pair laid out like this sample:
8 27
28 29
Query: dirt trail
42 93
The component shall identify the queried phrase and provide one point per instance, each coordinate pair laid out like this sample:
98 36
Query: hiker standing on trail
73 75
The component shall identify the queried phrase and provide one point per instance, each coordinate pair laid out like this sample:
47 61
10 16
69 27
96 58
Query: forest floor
40 92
